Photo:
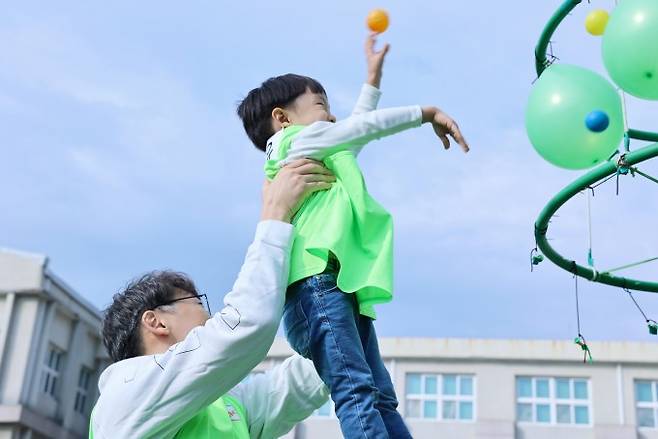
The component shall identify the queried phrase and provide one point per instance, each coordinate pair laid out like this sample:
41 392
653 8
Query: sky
121 153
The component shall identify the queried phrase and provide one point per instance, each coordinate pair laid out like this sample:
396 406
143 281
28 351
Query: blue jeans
323 323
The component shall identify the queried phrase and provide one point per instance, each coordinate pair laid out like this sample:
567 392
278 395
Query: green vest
346 221
223 419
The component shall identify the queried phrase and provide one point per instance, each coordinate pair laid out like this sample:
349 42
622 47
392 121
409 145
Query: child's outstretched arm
375 60
322 139
370 94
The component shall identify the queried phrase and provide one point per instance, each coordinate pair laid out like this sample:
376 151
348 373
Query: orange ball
377 20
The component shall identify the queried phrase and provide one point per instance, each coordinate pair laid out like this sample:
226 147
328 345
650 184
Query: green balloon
630 47
559 103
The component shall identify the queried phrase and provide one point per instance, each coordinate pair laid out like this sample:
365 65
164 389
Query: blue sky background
121 153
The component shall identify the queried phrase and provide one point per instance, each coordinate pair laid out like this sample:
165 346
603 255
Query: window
84 379
51 371
441 397
559 400
646 403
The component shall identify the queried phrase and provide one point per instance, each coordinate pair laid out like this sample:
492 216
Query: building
511 389
51 353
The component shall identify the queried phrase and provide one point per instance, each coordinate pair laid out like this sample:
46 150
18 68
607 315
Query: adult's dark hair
121 319
256 109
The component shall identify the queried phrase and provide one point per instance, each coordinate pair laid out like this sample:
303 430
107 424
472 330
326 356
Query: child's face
308 108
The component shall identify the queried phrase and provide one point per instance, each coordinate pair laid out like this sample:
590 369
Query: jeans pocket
296 327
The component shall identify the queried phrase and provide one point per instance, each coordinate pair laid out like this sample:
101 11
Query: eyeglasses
195 296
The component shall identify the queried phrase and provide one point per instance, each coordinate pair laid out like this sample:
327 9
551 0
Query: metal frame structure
625 162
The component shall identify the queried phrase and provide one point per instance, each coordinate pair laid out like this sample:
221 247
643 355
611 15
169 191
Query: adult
179 371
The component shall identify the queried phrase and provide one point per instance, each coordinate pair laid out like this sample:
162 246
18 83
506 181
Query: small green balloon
560 101
630 47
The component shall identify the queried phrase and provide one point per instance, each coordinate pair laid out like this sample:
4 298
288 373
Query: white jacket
153 396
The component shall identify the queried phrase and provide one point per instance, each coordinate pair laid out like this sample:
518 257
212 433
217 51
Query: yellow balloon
596 22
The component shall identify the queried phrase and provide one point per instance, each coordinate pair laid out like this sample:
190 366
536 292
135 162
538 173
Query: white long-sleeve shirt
321 139
154 395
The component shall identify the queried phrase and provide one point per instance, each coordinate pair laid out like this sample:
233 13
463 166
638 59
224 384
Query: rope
655 180
575 276
635 264
580 340
636 304
601 182
590 257
653 326
624 111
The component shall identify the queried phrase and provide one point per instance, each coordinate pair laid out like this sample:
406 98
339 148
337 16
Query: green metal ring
582 183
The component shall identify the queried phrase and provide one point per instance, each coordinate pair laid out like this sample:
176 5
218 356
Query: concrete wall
20 336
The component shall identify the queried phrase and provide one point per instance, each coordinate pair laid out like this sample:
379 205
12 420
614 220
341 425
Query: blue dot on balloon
597 121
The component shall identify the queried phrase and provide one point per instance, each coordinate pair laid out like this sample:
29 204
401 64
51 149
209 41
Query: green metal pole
643 135
582 183
540 50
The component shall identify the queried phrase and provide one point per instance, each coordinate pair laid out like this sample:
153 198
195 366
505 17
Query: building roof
479 349
23 272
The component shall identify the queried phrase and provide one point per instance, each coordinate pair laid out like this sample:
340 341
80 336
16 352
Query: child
341 261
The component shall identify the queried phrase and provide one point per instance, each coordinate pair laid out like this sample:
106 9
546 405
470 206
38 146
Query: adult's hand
283 196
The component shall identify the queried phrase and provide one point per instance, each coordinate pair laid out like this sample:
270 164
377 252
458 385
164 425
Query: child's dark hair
256 109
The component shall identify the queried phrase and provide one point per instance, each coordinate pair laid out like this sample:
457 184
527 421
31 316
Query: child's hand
443 126
375 60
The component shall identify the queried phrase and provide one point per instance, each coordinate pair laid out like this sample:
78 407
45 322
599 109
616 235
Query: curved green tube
582 183
540 50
